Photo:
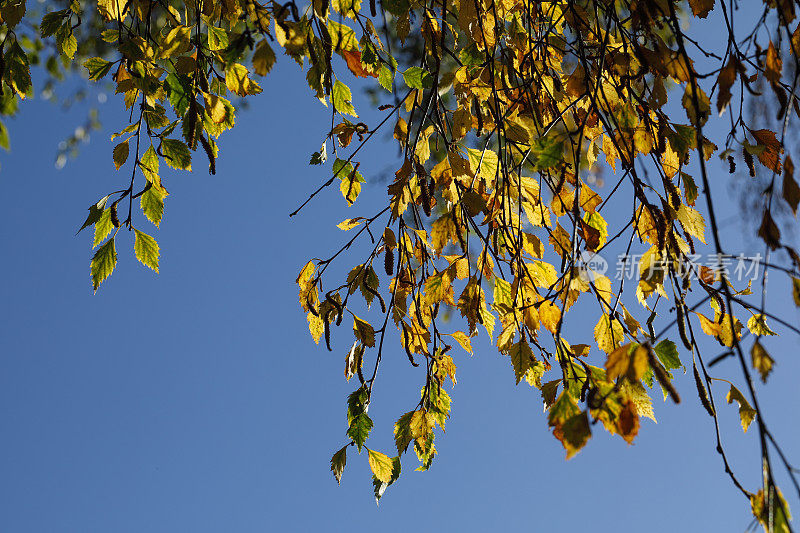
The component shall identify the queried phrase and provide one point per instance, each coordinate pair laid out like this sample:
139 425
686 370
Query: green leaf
217 38
342 170
178 88
103 263
350 186
470 56
667 353
12 12
4 142
386 78
338 462
359 429
102 227
689 188
439 403
341 98
18 68
95 212
146 249
546 152
402 432
417 78
357 401
358 421
66 41
97 67
51 22
176 154
149 165
152 203
110 36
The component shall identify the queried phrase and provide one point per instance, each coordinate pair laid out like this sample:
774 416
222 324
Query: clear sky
195 400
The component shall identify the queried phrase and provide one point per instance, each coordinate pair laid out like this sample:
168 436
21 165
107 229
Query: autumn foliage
506 121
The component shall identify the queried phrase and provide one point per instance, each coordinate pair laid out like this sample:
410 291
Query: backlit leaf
103 263
381 465
338 462
341 98
146 248
746 413
762 361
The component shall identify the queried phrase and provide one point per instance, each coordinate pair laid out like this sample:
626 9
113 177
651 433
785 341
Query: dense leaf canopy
498 218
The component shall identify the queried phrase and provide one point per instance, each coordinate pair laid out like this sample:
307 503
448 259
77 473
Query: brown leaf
725 80
701 8
774 64
628 422
791 191
590 235
770 157
353 59
769 231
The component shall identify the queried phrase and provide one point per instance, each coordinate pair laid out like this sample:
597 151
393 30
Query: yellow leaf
421 425
758 325
316 326
796 291
726 334
522 358
670 161
641 400
423 149
439 288
709 327
463 340
483 163
771 512
700 114
305 282
381 465
746 413
692 221
549 315
364 332
627 361
506 337
608 334
113 9
774 65
761 360
349 223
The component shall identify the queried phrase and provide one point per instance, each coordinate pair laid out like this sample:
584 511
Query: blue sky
195 400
